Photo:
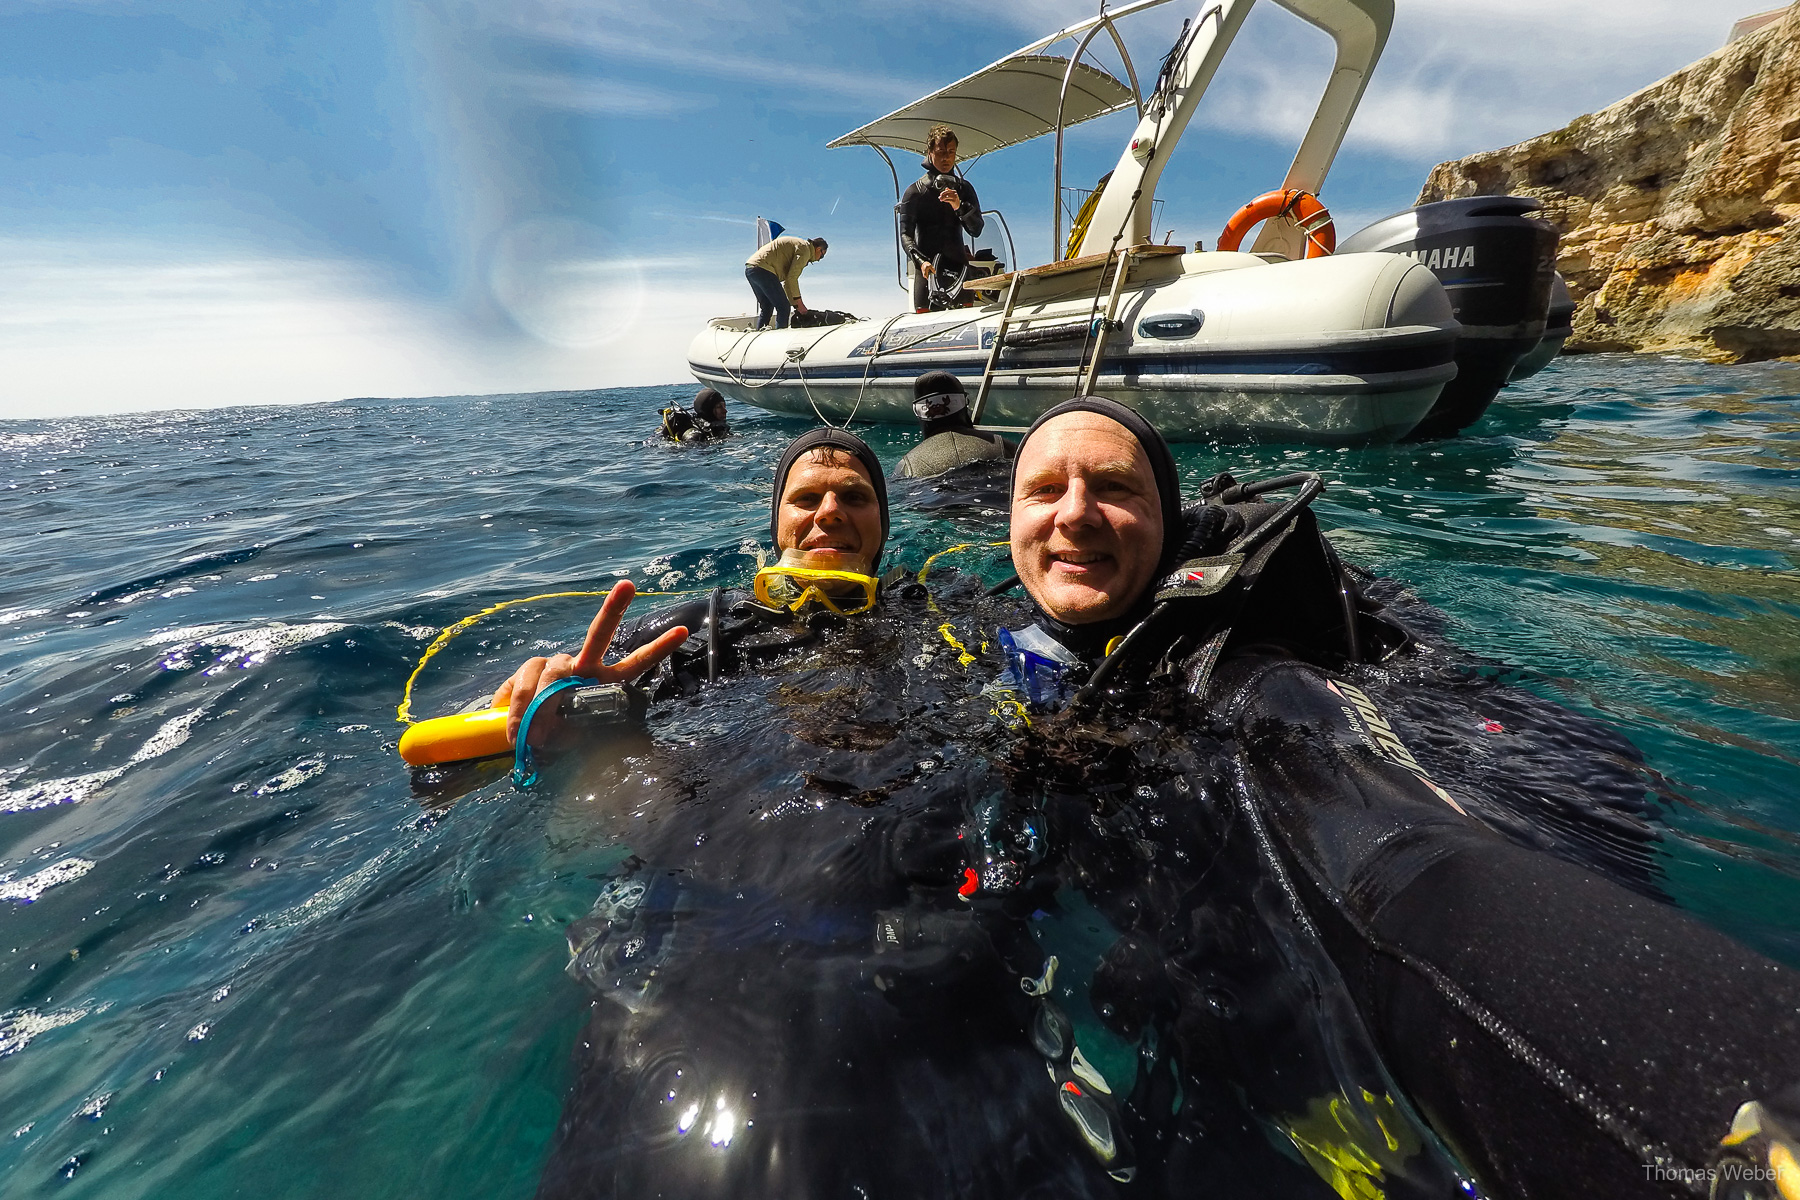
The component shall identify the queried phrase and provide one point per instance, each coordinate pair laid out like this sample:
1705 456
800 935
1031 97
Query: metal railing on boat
1095 331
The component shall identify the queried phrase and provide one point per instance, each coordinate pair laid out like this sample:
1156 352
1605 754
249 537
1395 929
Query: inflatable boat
1285 342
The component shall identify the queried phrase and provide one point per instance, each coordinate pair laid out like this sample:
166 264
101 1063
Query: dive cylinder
1496 262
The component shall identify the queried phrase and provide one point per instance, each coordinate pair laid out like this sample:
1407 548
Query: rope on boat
738 378
868 364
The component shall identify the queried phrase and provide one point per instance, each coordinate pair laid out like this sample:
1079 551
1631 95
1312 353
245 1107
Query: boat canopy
1014 100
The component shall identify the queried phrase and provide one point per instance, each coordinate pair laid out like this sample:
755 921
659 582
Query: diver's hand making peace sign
537 674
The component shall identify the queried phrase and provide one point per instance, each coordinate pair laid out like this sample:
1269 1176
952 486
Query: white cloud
563 281
665 36
109 327
1460 76
601 97
106 327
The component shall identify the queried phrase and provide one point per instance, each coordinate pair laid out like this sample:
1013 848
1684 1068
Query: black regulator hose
1310 483
1203 523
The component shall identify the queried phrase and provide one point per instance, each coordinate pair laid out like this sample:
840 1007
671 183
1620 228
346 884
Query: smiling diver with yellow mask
829 522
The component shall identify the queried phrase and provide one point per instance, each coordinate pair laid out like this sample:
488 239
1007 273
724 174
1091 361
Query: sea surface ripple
239 952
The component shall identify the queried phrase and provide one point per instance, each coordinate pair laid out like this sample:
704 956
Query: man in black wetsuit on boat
1565 1035
934 213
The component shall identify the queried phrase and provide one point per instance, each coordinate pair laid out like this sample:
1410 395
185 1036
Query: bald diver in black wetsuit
1566 1033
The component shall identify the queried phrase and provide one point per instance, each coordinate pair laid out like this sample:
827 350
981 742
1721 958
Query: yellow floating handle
455 738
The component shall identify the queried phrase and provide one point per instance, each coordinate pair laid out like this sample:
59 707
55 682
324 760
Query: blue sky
219 202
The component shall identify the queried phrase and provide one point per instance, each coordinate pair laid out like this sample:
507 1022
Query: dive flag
766 231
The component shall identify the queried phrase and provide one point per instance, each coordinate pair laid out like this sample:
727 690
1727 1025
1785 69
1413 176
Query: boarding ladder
1087 371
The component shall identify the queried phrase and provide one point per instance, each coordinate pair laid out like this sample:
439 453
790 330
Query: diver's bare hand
536 674
951 197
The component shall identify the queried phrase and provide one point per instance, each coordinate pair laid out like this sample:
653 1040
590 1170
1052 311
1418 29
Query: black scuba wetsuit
949 449
747 632
1566 1034
790 998
682 425
930 228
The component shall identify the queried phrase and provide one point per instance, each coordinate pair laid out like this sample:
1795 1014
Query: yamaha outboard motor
1557 328
1496 263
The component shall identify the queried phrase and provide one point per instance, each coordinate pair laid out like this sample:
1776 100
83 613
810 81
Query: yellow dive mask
791 585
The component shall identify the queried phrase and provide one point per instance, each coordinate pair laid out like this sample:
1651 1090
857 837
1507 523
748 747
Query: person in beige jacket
774 275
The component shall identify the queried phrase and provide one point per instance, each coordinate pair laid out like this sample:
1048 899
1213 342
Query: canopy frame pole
1359 44
1062 100
1137 93
1071 30
899 269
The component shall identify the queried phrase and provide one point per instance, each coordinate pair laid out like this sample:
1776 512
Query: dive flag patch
1200 576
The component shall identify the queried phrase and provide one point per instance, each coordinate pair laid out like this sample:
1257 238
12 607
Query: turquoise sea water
239 955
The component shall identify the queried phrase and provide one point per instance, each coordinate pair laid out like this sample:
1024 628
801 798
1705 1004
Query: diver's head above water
1096 511
828 513
830 501
941 403
710 405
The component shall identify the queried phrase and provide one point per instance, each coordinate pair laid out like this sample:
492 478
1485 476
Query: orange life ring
1304 207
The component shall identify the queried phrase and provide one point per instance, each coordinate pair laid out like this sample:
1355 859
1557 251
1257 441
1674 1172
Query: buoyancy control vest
682 425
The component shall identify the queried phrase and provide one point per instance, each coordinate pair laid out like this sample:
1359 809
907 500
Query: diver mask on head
940 405
845 588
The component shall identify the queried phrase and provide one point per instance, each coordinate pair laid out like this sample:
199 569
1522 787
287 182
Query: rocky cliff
1679 206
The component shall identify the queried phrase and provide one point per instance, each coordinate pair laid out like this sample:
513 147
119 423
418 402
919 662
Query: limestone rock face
1679 206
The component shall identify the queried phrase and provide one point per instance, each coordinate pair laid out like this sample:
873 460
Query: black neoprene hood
938 396
1162 463
705 400
837 439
